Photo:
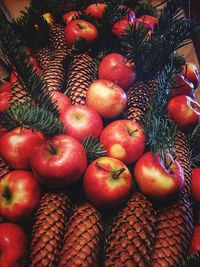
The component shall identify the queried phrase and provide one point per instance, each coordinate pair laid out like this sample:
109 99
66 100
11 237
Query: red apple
61 100
116 68
158 179
185 111
4 100
19 195
59 161
182 87
120 27
195 241
191 73
107 183
150 20
123 140
68 17
81 122
107 98
13 245
79 28
5 87
196 184
96 10
16 146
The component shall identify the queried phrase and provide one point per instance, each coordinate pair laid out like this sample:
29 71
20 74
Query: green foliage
158 127
142 7
191 261
29 116
194 141
150 52
93 148
16 57
32 28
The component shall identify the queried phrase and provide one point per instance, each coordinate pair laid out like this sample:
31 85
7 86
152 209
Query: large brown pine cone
173 234
131 238
80 76
18 94
82 240
47 234
43 56
57 38
4 168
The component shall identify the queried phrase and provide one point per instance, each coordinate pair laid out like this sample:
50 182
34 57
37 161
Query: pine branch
191 261
17 58
194 141
32 28
142 7
151 51
158 127
33 117
93 148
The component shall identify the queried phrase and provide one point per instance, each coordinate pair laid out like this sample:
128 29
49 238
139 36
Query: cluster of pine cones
139 234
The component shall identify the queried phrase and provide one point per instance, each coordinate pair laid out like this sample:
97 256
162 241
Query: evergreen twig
191 261
17 58
194 141
34 117
158 127
93 148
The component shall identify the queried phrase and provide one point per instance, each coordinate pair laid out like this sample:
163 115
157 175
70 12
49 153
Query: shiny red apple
191 73
96 10
59 161
196 184
185 111
13 245
149 20
182 87
4 100
78 29
5 87
195 241
116 68
16 146
158 179
120 27
123 140
107 98
19 195
107 183
68 17
81 122
61 100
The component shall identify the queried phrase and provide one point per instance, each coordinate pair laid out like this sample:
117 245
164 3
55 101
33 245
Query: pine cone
80 76
48 229
66 6
173 234
182 152
54 74
131 239
138 99
18 93
43 56
57 38
4 168
82 240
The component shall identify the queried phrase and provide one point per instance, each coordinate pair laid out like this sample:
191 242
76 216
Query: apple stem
115 174
80 27
134 131
52 148
113 85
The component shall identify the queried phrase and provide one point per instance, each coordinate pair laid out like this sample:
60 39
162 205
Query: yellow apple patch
117 151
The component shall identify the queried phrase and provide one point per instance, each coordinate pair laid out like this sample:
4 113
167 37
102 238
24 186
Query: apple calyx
131 133
52 149
80 26
115 174
7 194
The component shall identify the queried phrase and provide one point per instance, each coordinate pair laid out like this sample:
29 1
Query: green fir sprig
194 141
17 58
94 149
150 51
33 117
142 7
191 261
159 128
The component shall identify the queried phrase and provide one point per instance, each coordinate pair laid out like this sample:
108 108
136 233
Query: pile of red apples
57 162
